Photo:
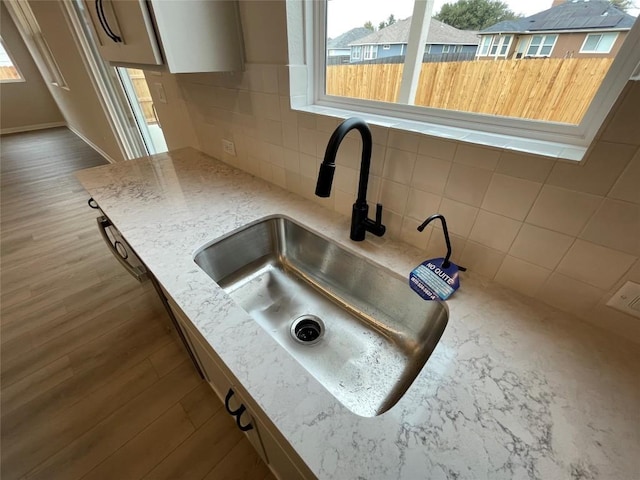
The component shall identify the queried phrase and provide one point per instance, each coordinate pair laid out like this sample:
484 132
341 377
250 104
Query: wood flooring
94 383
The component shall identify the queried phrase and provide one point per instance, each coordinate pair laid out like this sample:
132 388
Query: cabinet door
233 401
124 31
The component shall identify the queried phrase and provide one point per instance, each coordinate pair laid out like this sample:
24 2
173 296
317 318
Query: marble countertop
514 389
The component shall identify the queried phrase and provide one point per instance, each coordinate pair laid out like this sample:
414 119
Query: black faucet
360 221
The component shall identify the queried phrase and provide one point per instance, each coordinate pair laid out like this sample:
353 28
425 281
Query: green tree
475 14
623 5
369 26
389 21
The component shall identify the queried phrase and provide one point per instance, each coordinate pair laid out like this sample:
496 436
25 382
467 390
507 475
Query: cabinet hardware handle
244 428
92 203
139 273
237 413
104 23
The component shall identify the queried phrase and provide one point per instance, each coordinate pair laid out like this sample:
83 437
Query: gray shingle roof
438 33
343 41
571 15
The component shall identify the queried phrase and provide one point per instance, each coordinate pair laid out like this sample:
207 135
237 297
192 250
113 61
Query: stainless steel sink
356 327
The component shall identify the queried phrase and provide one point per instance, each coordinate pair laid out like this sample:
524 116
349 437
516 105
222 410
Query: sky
343 15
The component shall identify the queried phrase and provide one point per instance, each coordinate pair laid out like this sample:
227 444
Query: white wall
24 105
79 104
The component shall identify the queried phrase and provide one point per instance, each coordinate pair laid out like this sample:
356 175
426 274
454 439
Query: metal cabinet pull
237 413
104 23
138 273
233 413
244 428
92 203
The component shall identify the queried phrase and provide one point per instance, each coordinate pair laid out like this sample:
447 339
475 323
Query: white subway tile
628 185
540 246
616 225
494 231
521 165
421 205
430 174
599 266
510 196
522 276
292 160
412 236
393 197
472 156
437 148
403 141
569 295
481 259
467 184
562 210
398 165
597 173
459 216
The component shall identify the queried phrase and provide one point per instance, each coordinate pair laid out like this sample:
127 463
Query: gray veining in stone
514 390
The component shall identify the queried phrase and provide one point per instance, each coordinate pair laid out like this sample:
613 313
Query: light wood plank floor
94 382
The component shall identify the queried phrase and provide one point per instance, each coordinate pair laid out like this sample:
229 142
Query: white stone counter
514 389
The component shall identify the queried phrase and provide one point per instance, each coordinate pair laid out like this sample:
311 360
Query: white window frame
28 24
369 52
485 45
601 35
13 64
556 140
356 52
542 45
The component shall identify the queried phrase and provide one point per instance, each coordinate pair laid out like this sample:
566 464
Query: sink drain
307 329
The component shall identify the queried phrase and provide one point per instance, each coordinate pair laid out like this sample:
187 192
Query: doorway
138 95
126 96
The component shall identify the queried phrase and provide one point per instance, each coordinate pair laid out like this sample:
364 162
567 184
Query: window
30 26
599 42
495 46
541 45
436 93
484 46
356 52
370 52
446 48
8 70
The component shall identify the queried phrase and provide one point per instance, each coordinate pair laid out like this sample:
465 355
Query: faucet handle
378 214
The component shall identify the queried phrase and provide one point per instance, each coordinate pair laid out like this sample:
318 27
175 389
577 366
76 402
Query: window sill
544 148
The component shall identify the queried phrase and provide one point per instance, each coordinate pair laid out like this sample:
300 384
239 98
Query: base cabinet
265 438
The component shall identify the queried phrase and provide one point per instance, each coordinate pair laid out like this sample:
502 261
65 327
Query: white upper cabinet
186 36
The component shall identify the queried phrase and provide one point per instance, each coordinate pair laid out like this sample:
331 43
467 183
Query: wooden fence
552 89
9 73
143 94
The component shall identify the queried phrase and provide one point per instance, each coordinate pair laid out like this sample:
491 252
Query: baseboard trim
91 144
30 128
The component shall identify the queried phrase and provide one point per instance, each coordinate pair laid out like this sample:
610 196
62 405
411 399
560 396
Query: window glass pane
592 43
606 42
8 71
454 56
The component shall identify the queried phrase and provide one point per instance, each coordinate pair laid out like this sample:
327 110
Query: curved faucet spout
360 223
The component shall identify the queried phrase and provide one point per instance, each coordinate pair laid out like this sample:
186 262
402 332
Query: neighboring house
575 28
392 42
340 45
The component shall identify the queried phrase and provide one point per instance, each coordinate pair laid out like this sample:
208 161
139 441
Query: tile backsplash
566 233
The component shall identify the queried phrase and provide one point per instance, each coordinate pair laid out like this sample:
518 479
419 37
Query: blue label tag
431 281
